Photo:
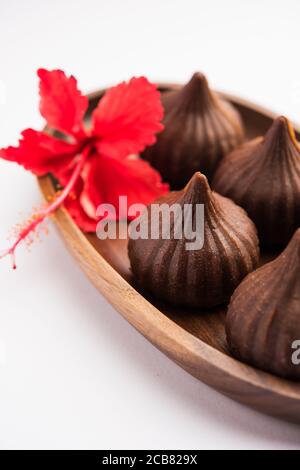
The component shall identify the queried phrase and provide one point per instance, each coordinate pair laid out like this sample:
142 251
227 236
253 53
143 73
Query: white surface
73 373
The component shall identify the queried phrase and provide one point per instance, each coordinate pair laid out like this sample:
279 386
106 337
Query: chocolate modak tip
210 247
200 128
263 177
263 319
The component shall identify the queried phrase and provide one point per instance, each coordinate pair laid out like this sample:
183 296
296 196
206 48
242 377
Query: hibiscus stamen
48 210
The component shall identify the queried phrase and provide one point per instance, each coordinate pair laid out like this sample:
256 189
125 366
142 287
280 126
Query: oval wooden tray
194 340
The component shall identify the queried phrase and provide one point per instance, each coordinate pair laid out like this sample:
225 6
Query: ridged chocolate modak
203 277
263 177
263 319
200 129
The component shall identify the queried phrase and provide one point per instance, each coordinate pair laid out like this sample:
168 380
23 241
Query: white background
73 373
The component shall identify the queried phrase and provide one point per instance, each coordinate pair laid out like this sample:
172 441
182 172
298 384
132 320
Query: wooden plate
195 340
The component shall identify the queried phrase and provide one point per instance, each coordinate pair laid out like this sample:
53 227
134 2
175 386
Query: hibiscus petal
72 204
61 104
105 179
127 118
41 153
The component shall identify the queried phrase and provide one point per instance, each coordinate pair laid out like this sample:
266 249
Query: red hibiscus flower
94 164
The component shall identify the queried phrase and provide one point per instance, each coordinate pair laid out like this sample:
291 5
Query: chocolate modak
263 177
200 129
263 319
184 272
